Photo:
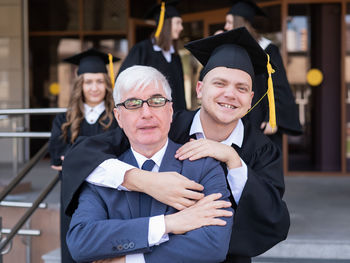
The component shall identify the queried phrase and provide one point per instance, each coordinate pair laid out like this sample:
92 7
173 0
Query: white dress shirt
264 42
93 113
166 54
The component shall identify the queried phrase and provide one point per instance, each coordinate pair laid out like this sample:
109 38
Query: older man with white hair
109 223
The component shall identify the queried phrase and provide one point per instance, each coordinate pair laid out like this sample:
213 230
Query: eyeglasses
133 103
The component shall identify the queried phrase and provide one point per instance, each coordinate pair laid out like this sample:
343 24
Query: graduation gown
287 113
57 145
261 218
57 148
143 54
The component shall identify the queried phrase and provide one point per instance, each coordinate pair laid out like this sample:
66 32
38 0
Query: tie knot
148 165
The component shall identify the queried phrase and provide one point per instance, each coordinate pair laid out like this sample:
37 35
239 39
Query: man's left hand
196 149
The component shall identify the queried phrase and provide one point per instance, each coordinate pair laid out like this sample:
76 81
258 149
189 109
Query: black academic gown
143 54
261 218
57 148
287 113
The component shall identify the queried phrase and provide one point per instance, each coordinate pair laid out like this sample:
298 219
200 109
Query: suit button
131 245
120 247
126 246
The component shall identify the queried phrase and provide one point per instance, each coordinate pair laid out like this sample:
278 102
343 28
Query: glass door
310 47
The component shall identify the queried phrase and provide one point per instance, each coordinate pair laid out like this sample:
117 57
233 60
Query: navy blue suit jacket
107 222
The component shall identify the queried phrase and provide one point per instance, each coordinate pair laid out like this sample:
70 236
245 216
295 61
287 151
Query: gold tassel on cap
161 20
111 71
270 94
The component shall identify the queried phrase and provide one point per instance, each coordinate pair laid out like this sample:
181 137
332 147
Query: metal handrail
41 153
4 242
29 212
32 111
20 204
25 134
22 232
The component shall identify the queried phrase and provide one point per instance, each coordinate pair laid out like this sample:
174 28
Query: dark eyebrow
219 79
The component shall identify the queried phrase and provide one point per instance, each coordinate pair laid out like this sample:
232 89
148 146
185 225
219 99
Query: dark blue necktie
146 200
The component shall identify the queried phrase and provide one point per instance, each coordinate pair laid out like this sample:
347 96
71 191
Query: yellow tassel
161 20
270 94
111 71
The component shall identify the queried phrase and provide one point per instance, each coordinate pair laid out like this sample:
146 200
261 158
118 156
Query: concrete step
305 251
298 260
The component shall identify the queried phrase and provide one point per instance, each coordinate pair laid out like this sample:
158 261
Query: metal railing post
14 149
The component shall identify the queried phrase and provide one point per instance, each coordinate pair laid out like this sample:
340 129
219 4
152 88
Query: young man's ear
199 89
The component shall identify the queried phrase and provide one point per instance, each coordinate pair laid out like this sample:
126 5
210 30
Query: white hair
139 77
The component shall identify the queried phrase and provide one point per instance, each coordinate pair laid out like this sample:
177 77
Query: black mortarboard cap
247 9
232 49
90 61
170 11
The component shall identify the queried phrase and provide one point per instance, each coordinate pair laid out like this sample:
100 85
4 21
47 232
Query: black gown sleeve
261 219
287 113
57 145
83 157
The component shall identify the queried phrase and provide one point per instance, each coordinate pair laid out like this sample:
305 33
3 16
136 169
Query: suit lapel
132 197
169 163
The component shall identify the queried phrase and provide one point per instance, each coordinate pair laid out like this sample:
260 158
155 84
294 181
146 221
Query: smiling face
176 27
226 96
94 88
147 127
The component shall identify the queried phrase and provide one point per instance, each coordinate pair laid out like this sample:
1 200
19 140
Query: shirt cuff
135 258
237 178
156 231
110 173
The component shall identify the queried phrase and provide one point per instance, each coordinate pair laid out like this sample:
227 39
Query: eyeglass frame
143 101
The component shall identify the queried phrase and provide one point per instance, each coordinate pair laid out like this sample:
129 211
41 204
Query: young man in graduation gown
132 226
252 162
243 13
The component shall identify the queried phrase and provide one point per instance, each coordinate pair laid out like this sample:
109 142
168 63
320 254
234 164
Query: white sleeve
110 173
156 231
135 258
237 178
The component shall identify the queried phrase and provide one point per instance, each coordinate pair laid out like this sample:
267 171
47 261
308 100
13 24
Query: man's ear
199 89
251 98
116 112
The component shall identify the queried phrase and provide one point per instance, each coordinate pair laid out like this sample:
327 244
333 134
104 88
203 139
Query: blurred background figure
90 112
242 13
160 50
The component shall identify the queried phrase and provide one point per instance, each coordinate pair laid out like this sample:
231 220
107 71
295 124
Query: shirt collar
166 54
236 136
157 157
158 48
264 42
97 109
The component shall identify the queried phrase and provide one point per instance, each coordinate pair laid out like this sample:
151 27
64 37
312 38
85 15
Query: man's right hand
205 212
170 188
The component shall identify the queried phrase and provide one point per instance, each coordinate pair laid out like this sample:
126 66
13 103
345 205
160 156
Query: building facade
35 35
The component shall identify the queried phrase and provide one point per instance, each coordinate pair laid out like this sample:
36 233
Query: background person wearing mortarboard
160 51
90 112
254 164
242 13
